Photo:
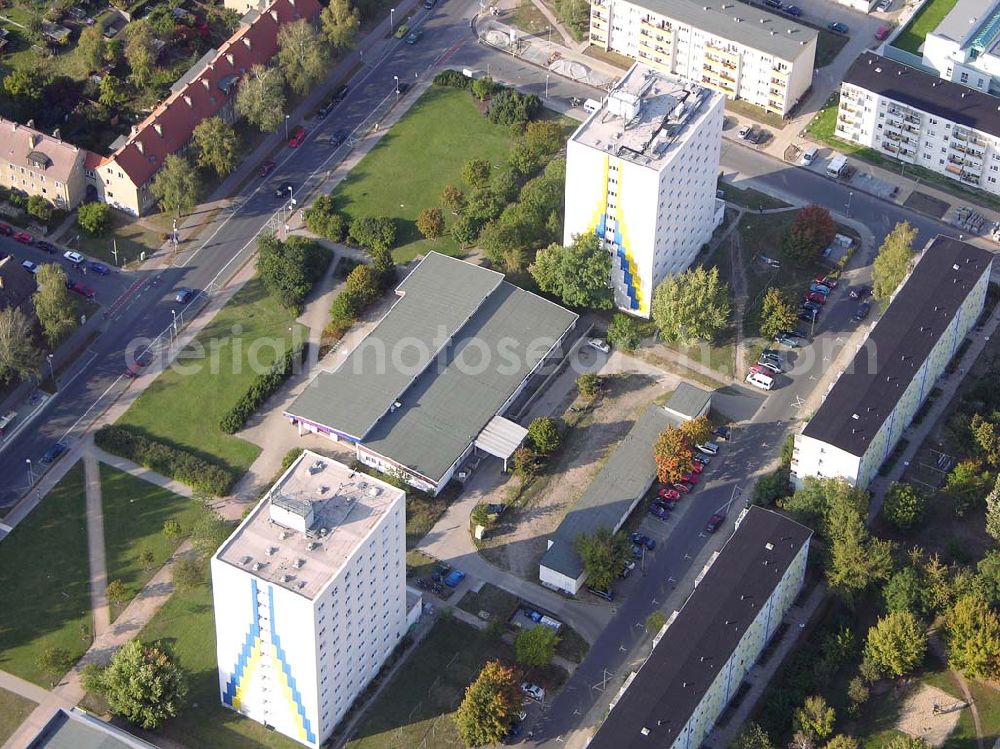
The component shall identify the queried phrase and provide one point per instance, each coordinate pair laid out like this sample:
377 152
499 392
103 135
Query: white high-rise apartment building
641 172
918 118
310 597
743 51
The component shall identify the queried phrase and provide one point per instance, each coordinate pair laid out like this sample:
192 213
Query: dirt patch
520 541
923 715
928 204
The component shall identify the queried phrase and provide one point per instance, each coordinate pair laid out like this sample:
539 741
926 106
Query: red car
691 477
135 369
78 288
298 135
697 467
883 33
6 229
266 168
826 281
669 494
714 522
24 238
814 296
682 488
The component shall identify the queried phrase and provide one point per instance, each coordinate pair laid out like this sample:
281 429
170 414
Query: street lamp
546 85
286 125
850 197
31 475
392 25
52 373
174 313
396 78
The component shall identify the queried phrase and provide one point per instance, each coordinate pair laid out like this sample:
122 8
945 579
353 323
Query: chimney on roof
206 84
188 101
274 15
158 128
246 41
230 59
138 144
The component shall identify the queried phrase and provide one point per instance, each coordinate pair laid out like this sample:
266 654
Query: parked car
99 268
637 551
714 522
52 453
707 448
808 315
46 246
627 569
183 295
78 288
827 281
285 189
338 137
402 87
74 257
760 369
325 110
428 4
414 36
814 296
696 466
819 288
667 492
723 433
682 488
788 340
744 131
691 477
773 4
771 366
666 504
341 93
533 691
810 305
6 229
772 354
266 168
638 538
600 345
137 367
658 511
607 595
862 311
29 266
454 578
701 459
859 292
883 33
838 27
298 135
792 10
884 6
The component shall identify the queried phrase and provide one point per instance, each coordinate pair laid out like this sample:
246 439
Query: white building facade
741 51
965 45
875 400
641 173
310 597
919 119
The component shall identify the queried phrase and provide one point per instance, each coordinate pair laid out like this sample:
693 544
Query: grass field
828 46
13 710
750 198
134 513
418 703
44 581
127 235
409 167
186 625
185 409
497 601
924 22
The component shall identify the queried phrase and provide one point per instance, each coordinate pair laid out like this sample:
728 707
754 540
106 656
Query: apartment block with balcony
743 52
921 119
874 400
641 172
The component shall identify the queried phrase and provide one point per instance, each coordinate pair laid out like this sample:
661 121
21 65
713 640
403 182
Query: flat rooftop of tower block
646 115
308 524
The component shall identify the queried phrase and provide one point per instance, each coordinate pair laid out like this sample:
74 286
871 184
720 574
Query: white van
809 156
760 380
591 105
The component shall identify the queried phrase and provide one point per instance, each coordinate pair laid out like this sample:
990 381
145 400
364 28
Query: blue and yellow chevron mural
257 654
624 258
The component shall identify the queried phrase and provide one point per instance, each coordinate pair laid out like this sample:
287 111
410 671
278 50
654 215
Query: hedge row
262 388
165 459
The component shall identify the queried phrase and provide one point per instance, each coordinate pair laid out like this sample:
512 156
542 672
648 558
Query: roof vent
258 566
271 551
299 563
855 416
284 534
877 70
300 584
286 578
644 731
955 267
312 546
245 560
374 491
324 489
769 546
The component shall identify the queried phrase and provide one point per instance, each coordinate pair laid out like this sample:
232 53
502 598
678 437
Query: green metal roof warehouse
448 358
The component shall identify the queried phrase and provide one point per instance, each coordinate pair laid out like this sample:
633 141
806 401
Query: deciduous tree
322 218
589 384
373 233
176 185
903 506
189 573
302 55
55 662
90 48
489 707
363 284
217 145
893 262
476 173
812 230
903 591
340 23
753 736
261 98
452 198
543 433
777 313
696 430
579 274
113 93
691 306
535 647
986 437
54 307
623 332
815 718
972 632
966 485
139 52
141 684
19 357
672 453
430 222
856 559
604 554
93 218
897 643
290 269
544 137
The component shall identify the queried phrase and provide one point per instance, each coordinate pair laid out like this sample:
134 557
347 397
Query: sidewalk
95 544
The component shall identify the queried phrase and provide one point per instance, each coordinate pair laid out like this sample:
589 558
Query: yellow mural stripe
252 662
286 690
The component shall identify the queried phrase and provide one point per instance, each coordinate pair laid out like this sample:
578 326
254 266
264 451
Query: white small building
740 50
917 118
310 597
705 650
641 173
875 399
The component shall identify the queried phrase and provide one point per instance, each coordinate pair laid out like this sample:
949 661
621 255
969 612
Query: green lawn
186 408
419 702
134 513
497 601
828 46
129 236
186 626
750 198
924 22
44 581
13 710
409 167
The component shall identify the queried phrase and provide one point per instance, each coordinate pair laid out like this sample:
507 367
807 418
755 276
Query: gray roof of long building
704 634
928 93
456 394
753 28
68 731
627 474
438 298
867 392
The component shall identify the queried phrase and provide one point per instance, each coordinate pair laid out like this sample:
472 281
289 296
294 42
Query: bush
510 107
93 218
40 208
290 269
323 219
263 387
344 308
452 78
173 462
373 233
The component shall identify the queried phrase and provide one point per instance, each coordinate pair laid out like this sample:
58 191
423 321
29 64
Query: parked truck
837 166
